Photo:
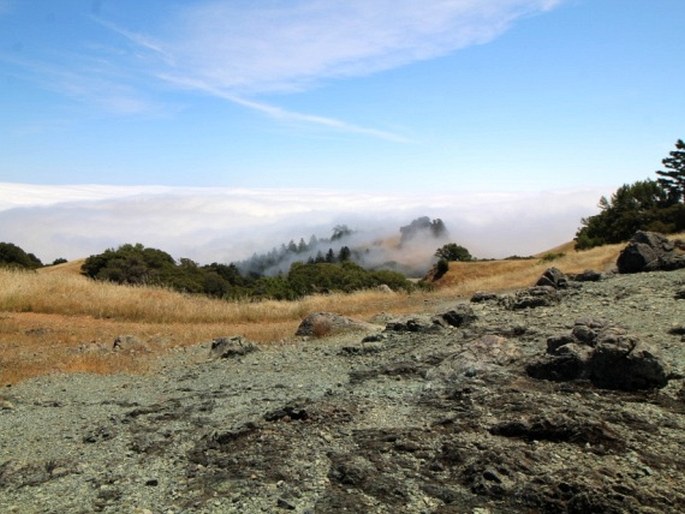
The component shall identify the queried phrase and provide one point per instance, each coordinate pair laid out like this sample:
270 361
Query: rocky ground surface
505 404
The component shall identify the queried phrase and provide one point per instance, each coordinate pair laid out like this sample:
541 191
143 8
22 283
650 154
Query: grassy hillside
57 320
464 278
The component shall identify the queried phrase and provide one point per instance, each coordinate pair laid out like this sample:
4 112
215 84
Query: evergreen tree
673 180
345 254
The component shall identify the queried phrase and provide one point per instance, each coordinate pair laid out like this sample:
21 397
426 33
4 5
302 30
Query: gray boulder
460 316
321 324
484 296
604 354
553 277
538 296
649 251
622 362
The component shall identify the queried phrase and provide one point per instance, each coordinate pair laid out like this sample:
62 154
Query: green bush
453 252
551 256
442 267
13 256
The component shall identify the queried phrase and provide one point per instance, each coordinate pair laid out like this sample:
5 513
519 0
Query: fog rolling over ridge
228 225
411 251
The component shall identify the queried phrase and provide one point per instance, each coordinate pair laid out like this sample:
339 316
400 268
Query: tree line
656 205
138 265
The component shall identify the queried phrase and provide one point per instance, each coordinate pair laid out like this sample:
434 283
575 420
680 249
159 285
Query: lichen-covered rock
227 347
322 324
483 296
538 296
478 357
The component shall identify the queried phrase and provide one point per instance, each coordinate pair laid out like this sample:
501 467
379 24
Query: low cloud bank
227 225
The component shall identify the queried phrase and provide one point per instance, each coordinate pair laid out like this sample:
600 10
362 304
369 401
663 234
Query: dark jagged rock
569 362
227 347
462 315
412 325
625 363
553 277
559 428
604 354
649 251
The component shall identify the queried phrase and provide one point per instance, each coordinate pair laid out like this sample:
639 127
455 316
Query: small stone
6 405
284 504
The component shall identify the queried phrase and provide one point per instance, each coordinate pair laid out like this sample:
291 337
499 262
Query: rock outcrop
553 277
604 354
320 324
649 251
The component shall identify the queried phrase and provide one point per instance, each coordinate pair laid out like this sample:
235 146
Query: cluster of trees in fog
316 250
136 264
286 272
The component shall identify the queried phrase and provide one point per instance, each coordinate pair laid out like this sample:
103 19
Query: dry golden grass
56 320
465 278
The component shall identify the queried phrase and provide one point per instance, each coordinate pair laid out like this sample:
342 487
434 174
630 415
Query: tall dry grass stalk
56 320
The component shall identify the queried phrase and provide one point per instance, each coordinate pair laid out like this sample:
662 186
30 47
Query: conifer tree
673 179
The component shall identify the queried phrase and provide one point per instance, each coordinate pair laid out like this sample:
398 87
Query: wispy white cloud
286 115
290 45
86 79
236 50
240 51
224 225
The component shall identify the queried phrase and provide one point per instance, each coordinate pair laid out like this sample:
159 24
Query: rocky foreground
566 397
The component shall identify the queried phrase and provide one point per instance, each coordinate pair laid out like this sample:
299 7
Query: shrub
13 256
453 252
552 256
441 268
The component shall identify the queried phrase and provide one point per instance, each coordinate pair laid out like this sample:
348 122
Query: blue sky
384 96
